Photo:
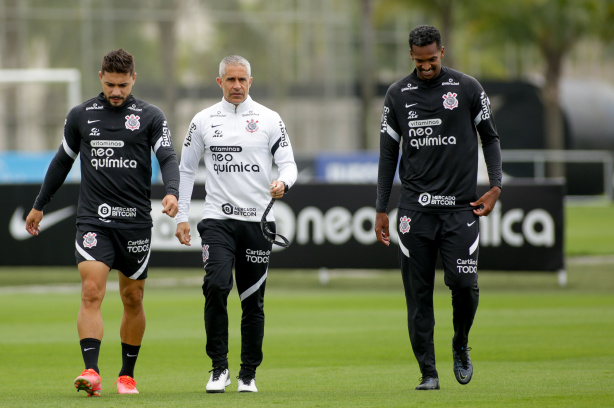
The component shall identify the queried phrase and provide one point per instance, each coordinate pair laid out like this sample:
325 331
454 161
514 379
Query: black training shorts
126 250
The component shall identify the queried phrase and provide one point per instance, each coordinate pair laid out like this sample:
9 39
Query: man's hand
278 188
170 205
33 222
183 233
488 202
381 228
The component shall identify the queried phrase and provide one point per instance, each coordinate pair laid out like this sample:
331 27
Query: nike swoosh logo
463 377
215 125
88 349
409 106
142 259
470 223
17 226
92 121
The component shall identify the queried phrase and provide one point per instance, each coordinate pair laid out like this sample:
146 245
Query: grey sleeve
162 144
388 157
62 161
492 157
484 121
170 170
56 174
390 141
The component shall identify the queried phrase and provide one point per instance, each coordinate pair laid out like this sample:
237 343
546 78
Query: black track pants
228 243
456 237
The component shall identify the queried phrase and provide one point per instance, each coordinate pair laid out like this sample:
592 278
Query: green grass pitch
343 344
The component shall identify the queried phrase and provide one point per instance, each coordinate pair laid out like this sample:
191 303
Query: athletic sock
129 355
90 349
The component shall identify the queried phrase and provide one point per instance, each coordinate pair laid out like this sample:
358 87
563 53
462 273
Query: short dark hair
424 35
119 61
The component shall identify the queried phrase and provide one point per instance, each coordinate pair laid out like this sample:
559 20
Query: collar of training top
104 102
432 81
244 106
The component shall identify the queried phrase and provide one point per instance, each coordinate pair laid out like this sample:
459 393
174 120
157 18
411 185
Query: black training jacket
115 145
435 125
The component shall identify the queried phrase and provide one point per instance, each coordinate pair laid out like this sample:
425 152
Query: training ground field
340 344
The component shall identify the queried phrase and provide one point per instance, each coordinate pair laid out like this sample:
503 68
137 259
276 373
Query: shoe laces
217 372
425 379
126 381
246 379
462 356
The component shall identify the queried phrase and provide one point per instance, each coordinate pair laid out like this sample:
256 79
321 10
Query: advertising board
328 225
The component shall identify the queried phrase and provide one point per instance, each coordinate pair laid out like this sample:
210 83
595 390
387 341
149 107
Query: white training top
239 144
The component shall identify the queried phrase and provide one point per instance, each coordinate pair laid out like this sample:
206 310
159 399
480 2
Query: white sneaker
247 384
219 380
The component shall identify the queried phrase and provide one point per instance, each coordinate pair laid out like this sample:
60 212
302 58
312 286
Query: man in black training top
433 116
114 133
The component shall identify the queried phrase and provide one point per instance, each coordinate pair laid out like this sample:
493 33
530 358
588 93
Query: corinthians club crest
205 253
404 224
89 240
450 101
252 125
132 122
